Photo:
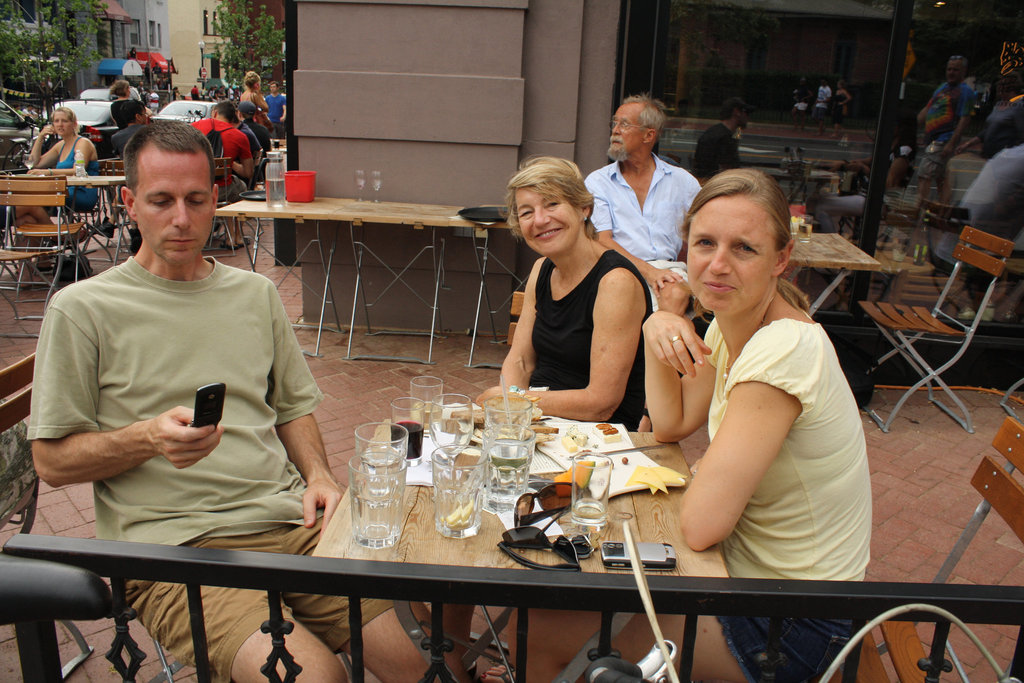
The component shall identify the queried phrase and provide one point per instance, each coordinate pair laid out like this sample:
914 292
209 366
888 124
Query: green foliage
249 41
50 50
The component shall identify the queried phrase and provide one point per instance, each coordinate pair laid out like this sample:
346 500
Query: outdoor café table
320 209
418 217
655 517
95 180
107 185
831 251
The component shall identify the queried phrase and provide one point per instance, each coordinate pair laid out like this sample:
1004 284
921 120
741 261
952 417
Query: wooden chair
61 239
903 326
515 310
19 483
1000 491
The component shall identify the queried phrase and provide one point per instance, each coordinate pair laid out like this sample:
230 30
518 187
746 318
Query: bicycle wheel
16 156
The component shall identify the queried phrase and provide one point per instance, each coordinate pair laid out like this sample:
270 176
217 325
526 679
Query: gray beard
617 152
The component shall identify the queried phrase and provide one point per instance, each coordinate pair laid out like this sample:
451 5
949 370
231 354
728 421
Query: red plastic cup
300 186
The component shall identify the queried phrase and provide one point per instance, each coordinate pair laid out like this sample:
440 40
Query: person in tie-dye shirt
944 119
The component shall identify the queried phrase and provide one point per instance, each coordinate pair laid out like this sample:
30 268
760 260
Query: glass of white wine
360 183
377 182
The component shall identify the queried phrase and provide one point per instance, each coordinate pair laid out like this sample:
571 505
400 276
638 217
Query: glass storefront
814 74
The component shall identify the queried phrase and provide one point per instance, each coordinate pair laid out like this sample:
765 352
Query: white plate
555 453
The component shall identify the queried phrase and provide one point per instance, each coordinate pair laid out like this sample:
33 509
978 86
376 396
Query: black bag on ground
856 364
70 263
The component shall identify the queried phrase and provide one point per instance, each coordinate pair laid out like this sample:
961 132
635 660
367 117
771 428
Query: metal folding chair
904 326
60 238
1000 491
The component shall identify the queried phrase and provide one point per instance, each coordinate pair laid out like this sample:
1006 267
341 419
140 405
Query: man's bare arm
92 456
305 447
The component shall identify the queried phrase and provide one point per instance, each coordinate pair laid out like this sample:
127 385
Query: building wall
445 98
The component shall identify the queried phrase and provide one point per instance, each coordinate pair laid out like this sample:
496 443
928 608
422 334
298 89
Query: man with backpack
227 141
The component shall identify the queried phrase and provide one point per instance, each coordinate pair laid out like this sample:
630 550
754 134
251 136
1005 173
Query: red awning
114 12
153 59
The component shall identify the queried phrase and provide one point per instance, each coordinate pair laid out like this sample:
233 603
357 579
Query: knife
627 450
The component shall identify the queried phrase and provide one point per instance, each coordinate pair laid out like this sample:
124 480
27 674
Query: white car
185 110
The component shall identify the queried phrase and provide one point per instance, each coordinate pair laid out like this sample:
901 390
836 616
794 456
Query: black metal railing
437 585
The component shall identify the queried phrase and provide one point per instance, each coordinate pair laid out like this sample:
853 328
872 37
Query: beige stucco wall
445 98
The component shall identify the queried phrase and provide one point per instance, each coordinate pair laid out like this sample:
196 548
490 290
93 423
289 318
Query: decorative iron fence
522 589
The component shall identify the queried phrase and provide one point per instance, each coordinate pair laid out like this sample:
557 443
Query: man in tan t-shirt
120 356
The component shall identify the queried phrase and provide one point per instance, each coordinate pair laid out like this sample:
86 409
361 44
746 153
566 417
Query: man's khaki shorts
232 615
932 164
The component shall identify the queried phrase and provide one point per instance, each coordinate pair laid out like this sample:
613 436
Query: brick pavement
920 471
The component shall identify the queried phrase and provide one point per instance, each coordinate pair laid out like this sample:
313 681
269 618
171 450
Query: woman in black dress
579 333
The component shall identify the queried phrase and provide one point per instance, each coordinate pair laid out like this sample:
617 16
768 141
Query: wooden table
831 251
655 517
320 209
95 181
418 217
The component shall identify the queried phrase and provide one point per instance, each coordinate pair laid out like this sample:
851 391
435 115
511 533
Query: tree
249 41
49 46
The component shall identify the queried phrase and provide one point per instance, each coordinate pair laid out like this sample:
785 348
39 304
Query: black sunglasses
572 550
552 498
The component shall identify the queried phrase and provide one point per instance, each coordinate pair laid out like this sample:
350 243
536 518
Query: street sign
202 72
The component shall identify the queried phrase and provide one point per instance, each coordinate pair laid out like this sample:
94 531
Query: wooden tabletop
396 213
831 250
320 209
95 180
358 212
654 516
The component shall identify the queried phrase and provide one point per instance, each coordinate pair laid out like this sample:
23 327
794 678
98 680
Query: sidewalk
920 471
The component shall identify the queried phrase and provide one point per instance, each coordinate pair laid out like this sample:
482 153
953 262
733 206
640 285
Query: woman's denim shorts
809 645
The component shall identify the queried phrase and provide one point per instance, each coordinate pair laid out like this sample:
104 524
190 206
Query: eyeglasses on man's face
624 124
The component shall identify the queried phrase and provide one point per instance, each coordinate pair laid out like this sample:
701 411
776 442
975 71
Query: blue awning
111 67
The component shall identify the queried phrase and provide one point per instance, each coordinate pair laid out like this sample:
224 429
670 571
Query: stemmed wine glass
375 179
451 421
360 183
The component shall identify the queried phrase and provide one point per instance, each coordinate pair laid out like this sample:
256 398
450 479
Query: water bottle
80 164
275 179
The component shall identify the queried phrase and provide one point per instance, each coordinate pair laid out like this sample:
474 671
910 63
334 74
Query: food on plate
608 433
656 478
544 429
584 470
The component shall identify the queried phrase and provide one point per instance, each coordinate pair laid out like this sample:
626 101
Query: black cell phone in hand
209 405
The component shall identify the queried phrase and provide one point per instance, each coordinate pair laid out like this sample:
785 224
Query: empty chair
978 254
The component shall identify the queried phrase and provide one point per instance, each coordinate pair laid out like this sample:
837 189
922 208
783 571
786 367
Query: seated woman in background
784 484
829 208
579 333
60 160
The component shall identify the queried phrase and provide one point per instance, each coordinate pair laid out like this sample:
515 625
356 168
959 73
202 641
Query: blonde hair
766 193
70 113
251 79
551 178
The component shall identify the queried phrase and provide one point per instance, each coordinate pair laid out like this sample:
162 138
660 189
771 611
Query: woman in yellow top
784 484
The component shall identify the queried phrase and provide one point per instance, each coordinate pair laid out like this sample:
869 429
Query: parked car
15 137
100 94
185 110
95 123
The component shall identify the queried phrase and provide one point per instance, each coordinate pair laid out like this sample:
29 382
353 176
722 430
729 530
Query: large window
815 72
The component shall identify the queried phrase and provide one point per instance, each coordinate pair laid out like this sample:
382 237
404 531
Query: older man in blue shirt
639 200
